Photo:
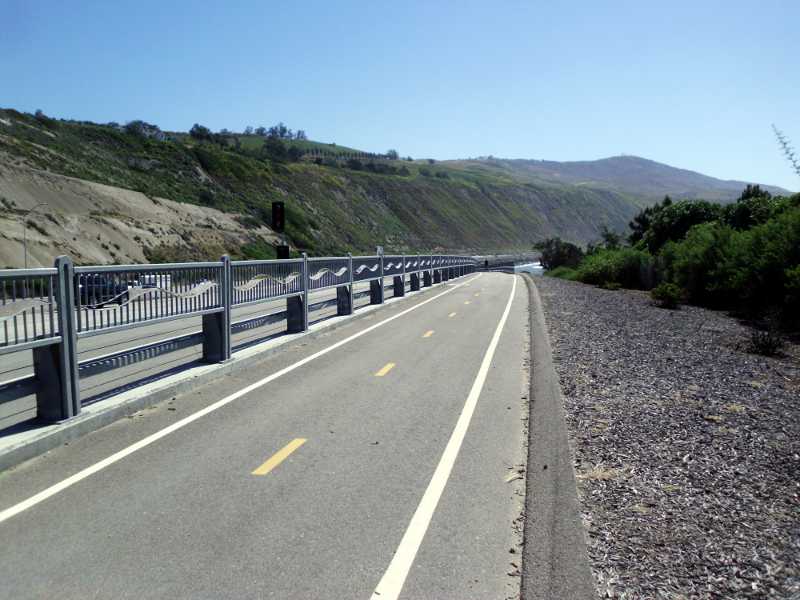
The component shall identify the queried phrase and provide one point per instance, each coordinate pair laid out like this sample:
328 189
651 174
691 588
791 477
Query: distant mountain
639 177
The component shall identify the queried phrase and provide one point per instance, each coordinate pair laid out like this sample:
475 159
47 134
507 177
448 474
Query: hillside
645 179
101 184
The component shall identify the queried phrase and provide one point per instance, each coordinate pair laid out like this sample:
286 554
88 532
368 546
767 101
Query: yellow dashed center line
477 294
385 369
466 301
279 456
428 333
451 315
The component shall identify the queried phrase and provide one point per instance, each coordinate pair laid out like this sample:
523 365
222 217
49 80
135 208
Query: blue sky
694 84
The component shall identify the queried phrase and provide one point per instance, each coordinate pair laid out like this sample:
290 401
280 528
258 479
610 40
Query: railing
28 309
259 280
112 297
48 310
328 272
366 268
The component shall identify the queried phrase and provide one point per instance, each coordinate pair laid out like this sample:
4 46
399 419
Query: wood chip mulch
687 448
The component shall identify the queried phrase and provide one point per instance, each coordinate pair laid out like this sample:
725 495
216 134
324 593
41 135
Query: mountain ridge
631 174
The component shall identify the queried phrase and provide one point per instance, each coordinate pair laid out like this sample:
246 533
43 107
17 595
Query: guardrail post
415 276
427 277
297 306
217 326
344 293
400 281
437 275
56 366
376 285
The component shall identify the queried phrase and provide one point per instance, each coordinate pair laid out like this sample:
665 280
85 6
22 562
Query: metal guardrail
28 309
48 310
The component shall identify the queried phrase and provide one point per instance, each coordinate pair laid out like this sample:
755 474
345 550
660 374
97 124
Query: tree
248 130
671 223
558 253
611 239
641 222
199 132
392 154
294 153
300 135
261 131
753 207
275 149
355 164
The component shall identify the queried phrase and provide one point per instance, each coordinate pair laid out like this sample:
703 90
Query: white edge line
394 578
117 456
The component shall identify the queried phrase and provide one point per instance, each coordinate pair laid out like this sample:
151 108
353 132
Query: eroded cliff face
99 224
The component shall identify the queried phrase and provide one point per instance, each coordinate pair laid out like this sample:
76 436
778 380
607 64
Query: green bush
558 253
563 273
752 272
672 222
667 295
626 267
704 263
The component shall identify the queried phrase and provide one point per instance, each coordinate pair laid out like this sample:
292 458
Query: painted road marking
154 437
466 301
385 369
281 455
428 333
451 315
395 576
477 294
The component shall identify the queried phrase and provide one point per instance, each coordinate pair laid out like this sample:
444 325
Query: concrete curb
19 447
555 562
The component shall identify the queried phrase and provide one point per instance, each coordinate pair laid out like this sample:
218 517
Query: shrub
564 273
671 223
355 164
611 286
627 267
558 253
704 264
667 295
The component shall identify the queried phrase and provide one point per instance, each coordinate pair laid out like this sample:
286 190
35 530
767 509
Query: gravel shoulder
687 448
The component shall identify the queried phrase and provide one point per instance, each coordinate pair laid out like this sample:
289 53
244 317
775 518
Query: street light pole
25 231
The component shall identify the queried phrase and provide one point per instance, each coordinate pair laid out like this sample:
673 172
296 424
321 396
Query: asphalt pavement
381 459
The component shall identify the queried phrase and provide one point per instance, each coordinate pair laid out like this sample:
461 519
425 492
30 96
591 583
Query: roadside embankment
687 448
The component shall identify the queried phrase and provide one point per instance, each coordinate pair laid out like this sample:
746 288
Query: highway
20 364
380 459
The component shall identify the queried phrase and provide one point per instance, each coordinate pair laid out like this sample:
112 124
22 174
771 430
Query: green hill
337 198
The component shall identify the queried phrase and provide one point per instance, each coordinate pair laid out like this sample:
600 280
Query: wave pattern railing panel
27 308
366 268
328 272
257 280
393 264
124 296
